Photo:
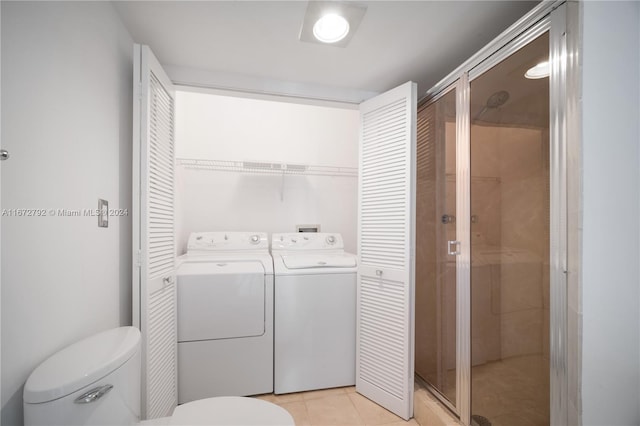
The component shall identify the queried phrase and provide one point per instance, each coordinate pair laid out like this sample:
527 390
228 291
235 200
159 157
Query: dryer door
220 300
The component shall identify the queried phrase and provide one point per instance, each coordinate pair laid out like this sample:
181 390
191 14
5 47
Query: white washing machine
315 312
225 316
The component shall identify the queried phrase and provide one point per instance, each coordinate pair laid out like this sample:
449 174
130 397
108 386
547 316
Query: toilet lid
81 364
231 411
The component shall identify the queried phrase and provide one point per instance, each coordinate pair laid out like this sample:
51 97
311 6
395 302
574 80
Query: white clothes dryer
225 316
315 312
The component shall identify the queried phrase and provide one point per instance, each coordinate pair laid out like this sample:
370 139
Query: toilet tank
95 381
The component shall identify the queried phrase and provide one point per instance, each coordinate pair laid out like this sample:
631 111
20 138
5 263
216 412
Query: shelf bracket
282 188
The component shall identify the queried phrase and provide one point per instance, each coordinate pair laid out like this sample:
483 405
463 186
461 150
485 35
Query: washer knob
331 239
255 239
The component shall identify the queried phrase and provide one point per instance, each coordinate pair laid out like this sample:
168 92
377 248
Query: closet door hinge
139 259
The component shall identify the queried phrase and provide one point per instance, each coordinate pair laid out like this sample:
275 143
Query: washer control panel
227 241
301 241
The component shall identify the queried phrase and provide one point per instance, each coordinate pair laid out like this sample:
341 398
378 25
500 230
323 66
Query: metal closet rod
267 167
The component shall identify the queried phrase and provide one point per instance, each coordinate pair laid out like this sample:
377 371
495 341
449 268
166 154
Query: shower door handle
451 250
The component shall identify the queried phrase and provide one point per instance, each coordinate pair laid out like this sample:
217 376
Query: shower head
495 100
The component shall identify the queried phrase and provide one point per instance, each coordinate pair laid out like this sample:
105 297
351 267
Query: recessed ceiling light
331 28
331 23
539 71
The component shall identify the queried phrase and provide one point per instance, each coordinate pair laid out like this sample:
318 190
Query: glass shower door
510 241
435 317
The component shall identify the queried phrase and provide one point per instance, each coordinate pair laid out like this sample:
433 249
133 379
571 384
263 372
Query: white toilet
97 382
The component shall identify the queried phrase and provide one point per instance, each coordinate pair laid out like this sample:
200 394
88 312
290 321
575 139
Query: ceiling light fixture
539 71
331 23
331 28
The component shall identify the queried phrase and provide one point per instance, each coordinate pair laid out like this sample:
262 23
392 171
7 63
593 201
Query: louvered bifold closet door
154 245
386 210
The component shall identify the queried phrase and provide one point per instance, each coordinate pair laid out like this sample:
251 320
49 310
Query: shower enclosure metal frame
560 19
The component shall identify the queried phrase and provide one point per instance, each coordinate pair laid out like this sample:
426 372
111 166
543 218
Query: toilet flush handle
93 394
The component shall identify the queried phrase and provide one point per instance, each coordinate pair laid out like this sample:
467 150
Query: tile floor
338 406
512 391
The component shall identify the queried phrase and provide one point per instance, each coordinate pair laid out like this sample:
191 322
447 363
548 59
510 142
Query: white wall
66 115
611 248
232 128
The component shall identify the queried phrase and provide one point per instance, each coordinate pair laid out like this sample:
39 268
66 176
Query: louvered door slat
381 201
159 168
161 199
156 243
160 154
157 153
382 150
161 351
385 272
385 337
385 170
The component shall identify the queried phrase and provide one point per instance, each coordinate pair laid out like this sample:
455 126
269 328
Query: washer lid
81 364
299 261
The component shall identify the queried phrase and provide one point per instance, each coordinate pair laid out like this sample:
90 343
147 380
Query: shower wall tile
450 143
521 286
496 289
426 281
449 317
486 207
521 333
523 149
524 190
510 200
449 204
486 155
524 212
485 186
485 321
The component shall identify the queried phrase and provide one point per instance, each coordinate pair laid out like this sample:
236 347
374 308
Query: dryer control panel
227 241
301 241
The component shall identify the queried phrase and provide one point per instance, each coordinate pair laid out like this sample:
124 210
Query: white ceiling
397 41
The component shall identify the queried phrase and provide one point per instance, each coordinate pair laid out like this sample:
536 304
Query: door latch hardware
451 250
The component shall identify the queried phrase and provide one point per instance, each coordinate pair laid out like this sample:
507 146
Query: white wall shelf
263 167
